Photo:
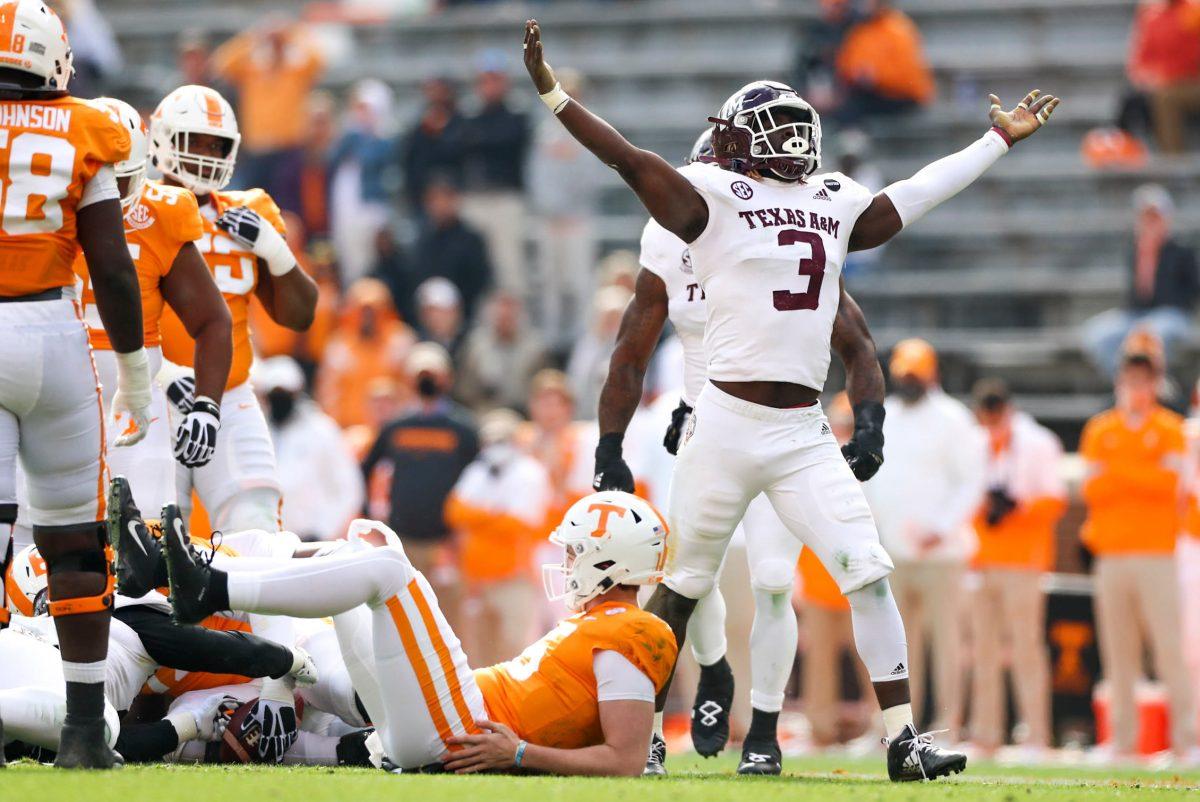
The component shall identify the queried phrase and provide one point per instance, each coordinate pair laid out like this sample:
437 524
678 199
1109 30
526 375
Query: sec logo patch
742 190
139 217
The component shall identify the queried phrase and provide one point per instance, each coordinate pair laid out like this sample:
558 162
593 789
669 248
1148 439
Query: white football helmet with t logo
33 40
26 583
186 112
133 168
609 538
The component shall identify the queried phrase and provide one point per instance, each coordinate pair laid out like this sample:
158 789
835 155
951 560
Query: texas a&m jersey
235 270
770 263
161 222
49 150
548 695
666 256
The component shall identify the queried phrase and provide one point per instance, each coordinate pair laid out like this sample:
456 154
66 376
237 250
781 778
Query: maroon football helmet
767 126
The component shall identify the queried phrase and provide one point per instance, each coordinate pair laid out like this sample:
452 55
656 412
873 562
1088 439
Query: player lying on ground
667 288
755 225
579 701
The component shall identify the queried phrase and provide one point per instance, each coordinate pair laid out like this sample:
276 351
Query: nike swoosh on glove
250 229
196 437
277 723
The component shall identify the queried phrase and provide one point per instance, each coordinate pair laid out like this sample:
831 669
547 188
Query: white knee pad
257 508
773 575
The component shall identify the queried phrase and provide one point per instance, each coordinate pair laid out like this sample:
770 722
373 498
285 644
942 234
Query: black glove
999 505
182 393
611 471
864 452
679 416
196 437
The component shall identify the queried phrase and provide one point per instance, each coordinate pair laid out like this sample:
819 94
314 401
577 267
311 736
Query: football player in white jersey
667 289
767 241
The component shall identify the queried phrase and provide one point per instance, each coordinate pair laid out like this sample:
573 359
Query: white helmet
187 111
610 538
36 44
26 583
133 168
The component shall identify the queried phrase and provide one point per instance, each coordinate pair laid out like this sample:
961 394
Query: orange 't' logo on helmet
605 510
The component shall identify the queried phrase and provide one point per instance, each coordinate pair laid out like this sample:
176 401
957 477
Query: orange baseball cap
914 357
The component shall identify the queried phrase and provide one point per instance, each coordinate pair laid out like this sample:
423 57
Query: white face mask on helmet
133 168
26 583
609 539
37 44
186 112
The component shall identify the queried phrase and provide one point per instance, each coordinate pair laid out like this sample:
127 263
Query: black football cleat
84 746
187 571
710 712
656 759
139 564
913 757
762 758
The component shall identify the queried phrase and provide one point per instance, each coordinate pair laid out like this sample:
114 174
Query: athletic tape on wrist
556 99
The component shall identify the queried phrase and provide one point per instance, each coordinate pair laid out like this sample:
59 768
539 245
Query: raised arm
864 385
905 202
668 196
641 327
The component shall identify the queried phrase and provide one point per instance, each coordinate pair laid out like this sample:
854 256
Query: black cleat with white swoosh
188 572
138 567
913 757
762 758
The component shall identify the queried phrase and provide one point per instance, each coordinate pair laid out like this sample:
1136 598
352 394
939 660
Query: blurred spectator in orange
1164 284
273 68
439 313
1025 499
1164 69
499 356
447 246
828 633
320 479
498 512
361 186
882 65
564 185
425 450
495 144
1133 455
433 147
588 365
314 176
370 342
562 445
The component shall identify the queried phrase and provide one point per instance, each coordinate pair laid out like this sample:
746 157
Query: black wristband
610 445
869 415
203 403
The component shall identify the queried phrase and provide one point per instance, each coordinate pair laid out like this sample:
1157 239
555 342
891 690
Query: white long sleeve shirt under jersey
932 479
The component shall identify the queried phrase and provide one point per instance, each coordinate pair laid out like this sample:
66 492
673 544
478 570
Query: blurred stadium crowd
449 384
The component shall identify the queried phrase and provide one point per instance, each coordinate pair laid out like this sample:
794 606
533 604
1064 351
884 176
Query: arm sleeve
100 187
943 179
617 679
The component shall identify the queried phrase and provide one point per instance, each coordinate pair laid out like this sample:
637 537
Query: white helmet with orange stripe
187 112
133 168
33 40
26 583
609 538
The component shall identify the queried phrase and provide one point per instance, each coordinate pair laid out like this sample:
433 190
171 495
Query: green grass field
808 779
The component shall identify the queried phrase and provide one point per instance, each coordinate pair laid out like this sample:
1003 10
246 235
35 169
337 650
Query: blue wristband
520 754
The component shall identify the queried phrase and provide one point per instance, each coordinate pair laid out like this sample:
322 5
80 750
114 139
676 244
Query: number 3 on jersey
813 267
37 170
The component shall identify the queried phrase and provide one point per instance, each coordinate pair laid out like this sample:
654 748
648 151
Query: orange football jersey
235 270
156 227
49 149
547 695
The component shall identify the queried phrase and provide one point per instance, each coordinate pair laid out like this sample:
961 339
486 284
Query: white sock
85 673
773 639
658 725
706 628
895 719
879 632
